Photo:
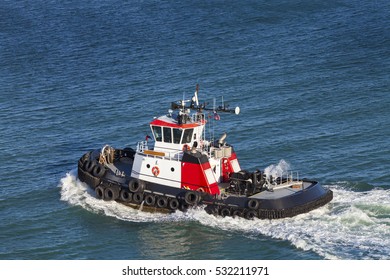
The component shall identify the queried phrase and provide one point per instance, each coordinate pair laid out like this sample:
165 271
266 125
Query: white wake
354 225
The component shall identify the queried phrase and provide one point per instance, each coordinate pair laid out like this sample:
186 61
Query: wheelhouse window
157 133
167 134
177 135
187 136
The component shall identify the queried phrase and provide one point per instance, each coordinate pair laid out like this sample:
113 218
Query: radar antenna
195 97
181 104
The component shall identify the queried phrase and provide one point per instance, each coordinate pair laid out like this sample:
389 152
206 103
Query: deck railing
143 148
284 179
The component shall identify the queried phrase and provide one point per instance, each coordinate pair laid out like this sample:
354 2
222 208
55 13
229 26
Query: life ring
155 171
186 148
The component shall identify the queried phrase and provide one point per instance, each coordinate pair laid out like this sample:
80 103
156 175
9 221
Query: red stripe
169 124
194 178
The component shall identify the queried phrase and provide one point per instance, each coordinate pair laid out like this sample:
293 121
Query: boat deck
122 166
282 191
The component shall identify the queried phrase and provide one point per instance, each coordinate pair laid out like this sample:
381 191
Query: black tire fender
162 202
191 198
253 204
236 213
173 203
99 170
99 191
136 186
89 165
150 199
225 212
138 197
111 193
250 215
126 196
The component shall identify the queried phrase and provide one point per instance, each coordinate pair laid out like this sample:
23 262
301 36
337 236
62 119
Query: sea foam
353 225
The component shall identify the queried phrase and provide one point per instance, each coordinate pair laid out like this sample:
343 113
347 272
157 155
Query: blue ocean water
312 79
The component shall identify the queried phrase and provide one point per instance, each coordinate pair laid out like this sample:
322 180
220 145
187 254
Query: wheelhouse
172 132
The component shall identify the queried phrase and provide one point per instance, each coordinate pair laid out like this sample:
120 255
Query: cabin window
157 133
177 135
167 135
187 136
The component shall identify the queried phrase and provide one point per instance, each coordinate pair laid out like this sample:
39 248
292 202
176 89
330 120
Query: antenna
182 104
195 98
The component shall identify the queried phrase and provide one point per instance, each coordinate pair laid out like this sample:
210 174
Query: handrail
143 148
198 117
284 179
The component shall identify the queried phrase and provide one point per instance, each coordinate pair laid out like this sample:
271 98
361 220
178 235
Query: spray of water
277 170
354 225
77 193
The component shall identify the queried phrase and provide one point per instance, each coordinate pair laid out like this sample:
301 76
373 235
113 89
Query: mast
195 97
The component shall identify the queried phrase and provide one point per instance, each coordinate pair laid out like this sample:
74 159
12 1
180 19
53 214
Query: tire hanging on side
162 202
150 200
111 193
236 213
138 197
89 165
99 191
225 212
173 204
250 215
253 204
99 170
191 198
136 186
126 196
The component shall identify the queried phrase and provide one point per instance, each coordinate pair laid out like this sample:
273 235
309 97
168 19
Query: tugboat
179 169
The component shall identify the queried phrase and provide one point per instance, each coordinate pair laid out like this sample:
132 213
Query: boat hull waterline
155 197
